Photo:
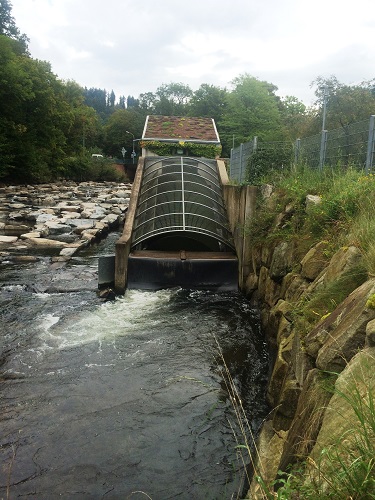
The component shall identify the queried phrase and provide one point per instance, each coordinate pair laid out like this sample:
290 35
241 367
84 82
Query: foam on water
106 322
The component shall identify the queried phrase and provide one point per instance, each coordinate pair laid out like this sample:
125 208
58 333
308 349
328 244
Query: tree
294 116
42 119
111 100
345 104
252 110
115 131
131 102
147 102
97 99
170 99
209 101
8 26
84 130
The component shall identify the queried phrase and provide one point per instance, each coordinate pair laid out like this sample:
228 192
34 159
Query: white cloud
134 47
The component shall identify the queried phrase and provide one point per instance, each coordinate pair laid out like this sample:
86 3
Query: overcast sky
135 46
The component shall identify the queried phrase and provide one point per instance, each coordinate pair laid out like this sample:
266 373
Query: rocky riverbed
58 219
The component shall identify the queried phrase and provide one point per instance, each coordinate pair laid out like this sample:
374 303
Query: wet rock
8 239
107 294
69 251
16 228
24 258
33 234
43 217
61 214
66 238
45 242
57 228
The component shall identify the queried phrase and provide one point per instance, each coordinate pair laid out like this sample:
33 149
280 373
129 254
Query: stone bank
304 417
58 219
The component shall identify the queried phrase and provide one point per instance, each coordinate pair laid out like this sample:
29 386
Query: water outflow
122 399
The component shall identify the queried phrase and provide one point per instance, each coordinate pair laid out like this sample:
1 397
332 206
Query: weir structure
185 222
176 231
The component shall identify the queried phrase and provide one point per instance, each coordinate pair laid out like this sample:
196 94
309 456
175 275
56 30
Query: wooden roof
180 128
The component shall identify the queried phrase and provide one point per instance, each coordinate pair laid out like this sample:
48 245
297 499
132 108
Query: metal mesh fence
351 145
251 159
348 145
239 158
307 150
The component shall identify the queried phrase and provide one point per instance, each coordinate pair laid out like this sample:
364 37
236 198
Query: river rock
70 215
62 214
41 218
16 227
16 206
24 258
33 234
44 242
8 239
69 251
57 228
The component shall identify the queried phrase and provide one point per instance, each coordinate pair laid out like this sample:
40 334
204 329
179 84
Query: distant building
180 135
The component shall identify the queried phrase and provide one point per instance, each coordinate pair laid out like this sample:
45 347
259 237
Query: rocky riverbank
321 371
58 219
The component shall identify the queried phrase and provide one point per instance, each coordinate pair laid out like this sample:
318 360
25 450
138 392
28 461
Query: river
124 398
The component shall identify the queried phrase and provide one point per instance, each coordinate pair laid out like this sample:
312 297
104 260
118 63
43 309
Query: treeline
49 128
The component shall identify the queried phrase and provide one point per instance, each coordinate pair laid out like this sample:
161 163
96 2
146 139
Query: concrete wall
240 202
123 243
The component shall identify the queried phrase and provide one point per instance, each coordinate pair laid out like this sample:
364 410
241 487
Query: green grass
346 209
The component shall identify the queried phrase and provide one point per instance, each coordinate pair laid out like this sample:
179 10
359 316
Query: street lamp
133 152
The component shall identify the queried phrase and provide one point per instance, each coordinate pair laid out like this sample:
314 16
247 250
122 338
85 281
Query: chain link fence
352 145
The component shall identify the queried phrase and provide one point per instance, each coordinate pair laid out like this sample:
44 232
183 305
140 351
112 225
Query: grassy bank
341 214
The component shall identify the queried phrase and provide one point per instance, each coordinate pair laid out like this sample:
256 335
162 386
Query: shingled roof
180 128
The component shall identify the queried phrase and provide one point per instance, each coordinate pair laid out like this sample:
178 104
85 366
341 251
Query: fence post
241 162
231 162
323 147
370 145
253 149
297 151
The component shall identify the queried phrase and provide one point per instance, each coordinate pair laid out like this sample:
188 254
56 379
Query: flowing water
124 398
